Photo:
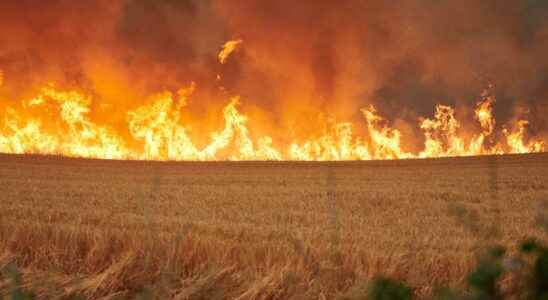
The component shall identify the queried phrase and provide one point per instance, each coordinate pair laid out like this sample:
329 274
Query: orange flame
515 139
58 122
160 131
227 49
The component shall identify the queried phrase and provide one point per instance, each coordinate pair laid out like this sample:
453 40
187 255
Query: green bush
484 281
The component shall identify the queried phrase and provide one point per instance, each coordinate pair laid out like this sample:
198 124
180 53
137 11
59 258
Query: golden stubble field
258 230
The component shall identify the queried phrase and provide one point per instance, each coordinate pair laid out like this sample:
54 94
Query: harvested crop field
258 230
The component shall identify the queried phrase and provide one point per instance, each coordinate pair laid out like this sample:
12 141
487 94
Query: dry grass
107 229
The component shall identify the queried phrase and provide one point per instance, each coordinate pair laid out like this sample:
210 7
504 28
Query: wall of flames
57 121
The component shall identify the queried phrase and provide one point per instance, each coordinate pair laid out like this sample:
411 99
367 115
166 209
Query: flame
484 114
441 138
59 122
158 126
338 144
75 136
385 140
66 129
516 139
227 49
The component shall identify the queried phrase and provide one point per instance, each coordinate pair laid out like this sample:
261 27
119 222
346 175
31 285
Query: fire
484 114
516 141
158 126
384 140
338 144
65 129
227 49
74 136
59 122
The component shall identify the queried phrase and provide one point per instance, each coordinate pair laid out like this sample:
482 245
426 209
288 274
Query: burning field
250 80
248 149
259 230
159 133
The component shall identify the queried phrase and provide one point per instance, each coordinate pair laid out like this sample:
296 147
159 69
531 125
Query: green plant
14 277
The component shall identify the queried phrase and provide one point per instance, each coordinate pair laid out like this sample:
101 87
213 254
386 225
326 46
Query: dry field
257 230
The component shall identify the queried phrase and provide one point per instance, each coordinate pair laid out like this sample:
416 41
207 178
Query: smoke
299 58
